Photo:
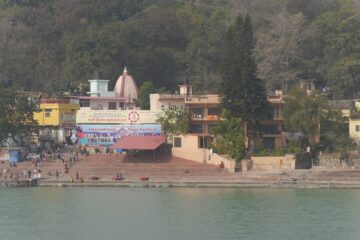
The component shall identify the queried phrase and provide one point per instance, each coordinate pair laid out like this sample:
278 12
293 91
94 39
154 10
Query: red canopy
139 142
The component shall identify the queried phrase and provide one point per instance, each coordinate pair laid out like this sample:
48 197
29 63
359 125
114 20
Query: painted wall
158 102
353 122
58 112
189 150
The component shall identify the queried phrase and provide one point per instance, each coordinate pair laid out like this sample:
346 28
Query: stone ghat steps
142 171
44 166
333 179
166 170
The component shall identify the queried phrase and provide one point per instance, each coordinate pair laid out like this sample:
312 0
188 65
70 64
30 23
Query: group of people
7 174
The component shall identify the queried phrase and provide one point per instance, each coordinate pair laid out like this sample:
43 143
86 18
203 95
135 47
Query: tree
61 89
280 49
16 122
229 135
302 113
338 32
205 42
334 135
243 93
143 100
174 121
312 115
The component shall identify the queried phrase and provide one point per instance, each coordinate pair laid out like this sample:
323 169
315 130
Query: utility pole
203 140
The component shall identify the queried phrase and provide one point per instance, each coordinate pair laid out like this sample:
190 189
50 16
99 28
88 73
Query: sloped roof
139 142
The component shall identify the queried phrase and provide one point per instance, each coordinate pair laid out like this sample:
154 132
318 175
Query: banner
107 135
4 154
117 116
12 155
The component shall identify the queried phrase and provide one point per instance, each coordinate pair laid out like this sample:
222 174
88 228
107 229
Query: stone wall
332 160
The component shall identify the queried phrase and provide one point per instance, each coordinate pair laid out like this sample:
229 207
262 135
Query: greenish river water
178 213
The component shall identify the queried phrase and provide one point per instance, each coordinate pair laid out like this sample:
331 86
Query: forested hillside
61 43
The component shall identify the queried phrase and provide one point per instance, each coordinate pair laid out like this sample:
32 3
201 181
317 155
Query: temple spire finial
125 70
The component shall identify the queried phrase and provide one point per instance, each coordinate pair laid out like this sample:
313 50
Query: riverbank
313 178
177 172
285 185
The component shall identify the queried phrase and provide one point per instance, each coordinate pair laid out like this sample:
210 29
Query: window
270 129
112 106
275 113
48 112
84 103
204 142
357 128
213 111
196 128
121 105
177 142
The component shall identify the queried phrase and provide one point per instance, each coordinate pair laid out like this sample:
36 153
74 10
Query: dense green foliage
303 112
16 121
145 90
174 121
311 114
229 137
243 94
46 41
339 32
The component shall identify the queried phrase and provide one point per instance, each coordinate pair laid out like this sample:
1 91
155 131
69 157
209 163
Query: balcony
172 96
203 99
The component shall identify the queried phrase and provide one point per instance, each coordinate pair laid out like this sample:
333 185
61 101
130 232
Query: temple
122 97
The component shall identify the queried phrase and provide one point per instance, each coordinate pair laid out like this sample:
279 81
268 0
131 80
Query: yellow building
57 119
354 123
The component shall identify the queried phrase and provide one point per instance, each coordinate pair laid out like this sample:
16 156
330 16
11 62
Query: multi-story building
271 130
56 119
203 110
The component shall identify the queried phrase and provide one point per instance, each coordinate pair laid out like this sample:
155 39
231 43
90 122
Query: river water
178 213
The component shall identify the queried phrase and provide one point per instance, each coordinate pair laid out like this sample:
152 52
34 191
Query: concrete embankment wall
190 150
217 159
287 162
271 163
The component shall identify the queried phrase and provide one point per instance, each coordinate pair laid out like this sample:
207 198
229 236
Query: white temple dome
126 87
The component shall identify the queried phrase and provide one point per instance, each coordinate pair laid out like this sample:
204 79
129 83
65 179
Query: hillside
57 44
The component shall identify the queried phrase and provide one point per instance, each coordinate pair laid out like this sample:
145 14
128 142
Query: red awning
139 142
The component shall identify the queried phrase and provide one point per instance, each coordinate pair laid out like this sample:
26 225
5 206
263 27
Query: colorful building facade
56 119
106 116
